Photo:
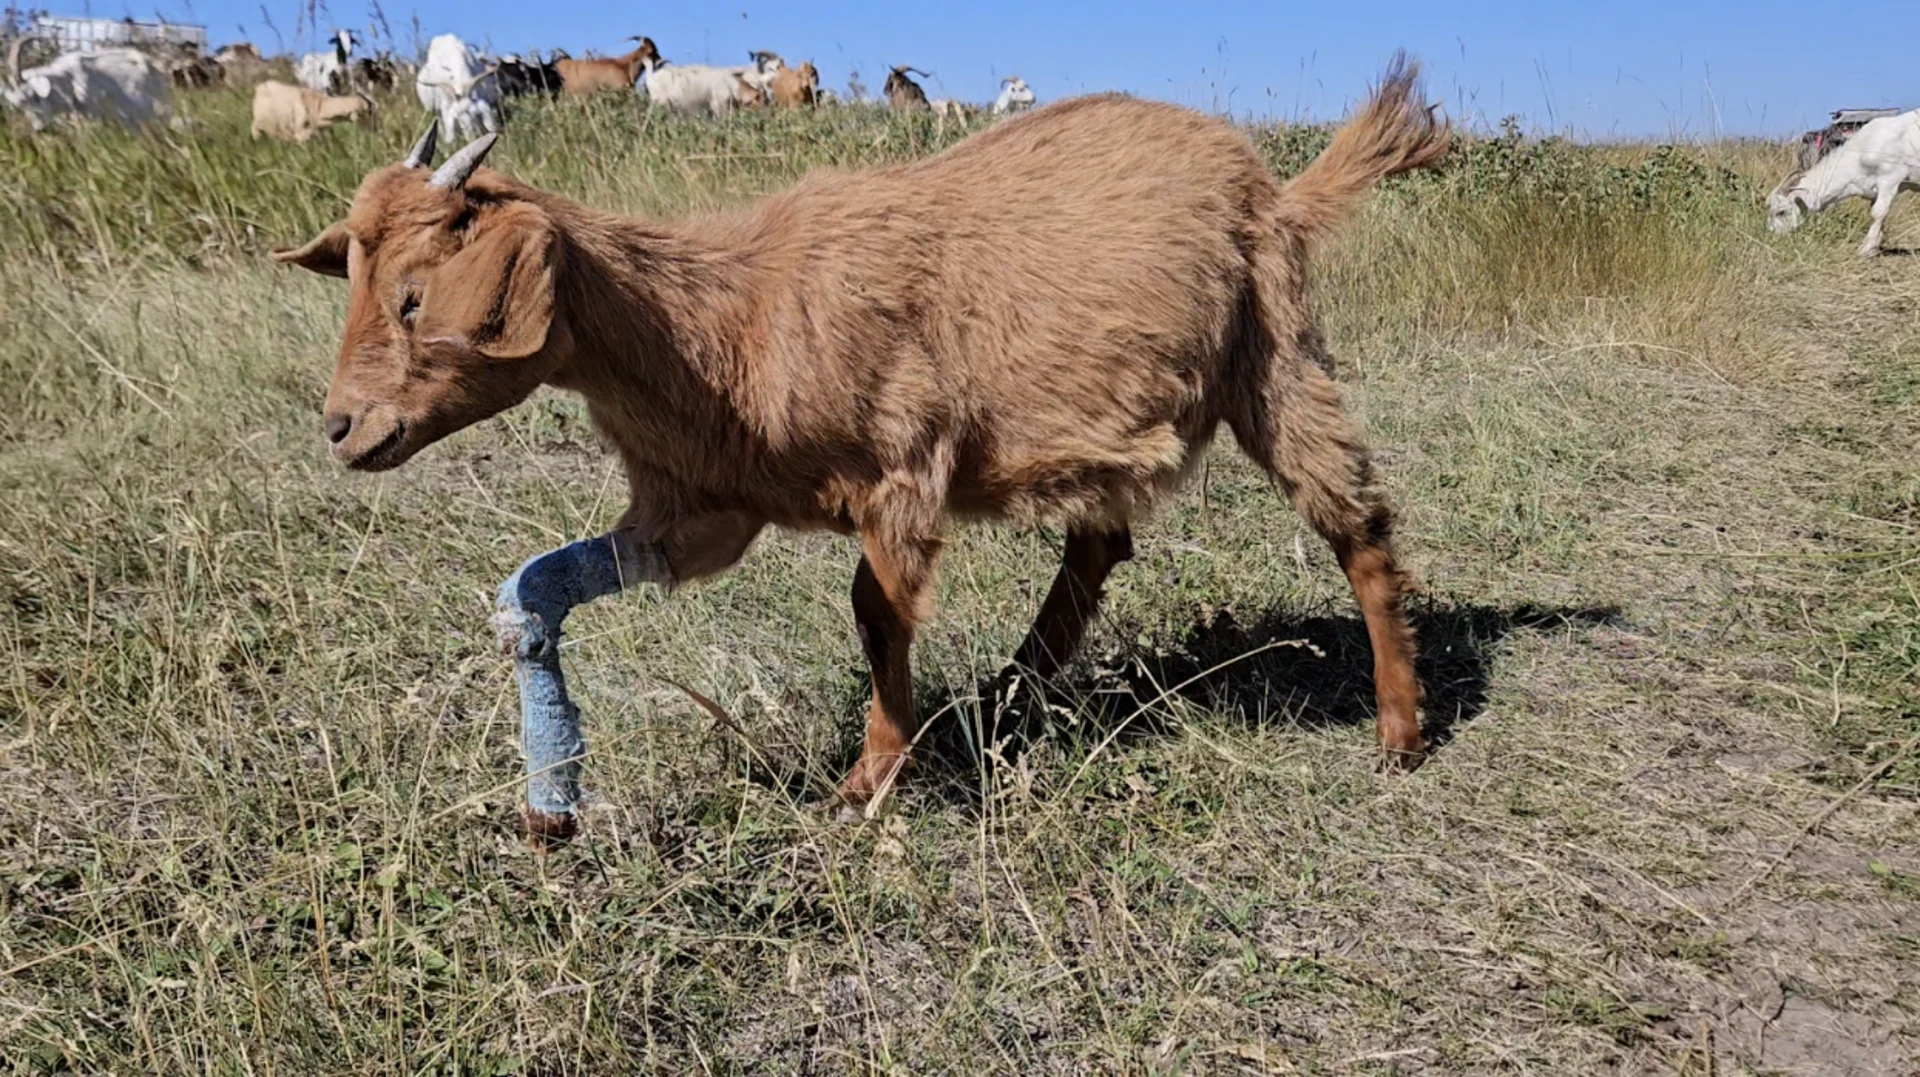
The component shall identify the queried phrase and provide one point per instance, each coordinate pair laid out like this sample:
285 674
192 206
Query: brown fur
617 73
1045 323
795 87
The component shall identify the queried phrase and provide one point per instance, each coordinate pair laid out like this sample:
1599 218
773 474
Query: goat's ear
496 295
326 254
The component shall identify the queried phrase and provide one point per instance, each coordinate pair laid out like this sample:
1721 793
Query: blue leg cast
532 604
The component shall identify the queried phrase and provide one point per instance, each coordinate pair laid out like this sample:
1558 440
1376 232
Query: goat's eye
409 306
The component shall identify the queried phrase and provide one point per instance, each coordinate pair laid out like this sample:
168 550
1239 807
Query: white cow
124 85
454 85
1878 162
1015 96
326 72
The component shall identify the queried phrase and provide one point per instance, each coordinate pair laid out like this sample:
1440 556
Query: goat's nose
339 425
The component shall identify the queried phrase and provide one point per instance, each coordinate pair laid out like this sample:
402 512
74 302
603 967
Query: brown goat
795 87
616 73
905 94
1046 323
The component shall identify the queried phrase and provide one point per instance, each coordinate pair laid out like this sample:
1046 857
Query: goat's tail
1395 132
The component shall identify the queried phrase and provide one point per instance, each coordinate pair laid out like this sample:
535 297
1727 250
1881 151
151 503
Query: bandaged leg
532 604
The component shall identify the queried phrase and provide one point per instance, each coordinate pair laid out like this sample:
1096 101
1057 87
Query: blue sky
1595 69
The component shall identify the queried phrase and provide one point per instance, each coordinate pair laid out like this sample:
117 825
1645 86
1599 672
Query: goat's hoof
1404 754
1403 762
871 779
546 829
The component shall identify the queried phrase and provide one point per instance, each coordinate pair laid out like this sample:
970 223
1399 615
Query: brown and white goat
616 73
1046 323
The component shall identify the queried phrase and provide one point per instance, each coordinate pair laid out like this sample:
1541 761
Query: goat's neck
655 314
1825 183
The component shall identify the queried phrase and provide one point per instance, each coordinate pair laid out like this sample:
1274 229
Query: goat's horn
421 156
13 59
453 175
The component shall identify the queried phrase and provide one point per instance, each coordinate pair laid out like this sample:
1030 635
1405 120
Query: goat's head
450 317
30 91
764 62
1786 206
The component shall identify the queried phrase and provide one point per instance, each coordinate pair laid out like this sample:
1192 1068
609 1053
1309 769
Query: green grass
1657 471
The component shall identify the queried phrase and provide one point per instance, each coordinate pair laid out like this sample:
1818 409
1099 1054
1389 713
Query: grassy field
1660 475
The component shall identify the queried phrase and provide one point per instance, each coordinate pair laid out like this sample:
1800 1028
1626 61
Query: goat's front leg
532 604
892 592
1882 205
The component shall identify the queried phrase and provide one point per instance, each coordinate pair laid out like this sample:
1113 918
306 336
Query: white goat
124 85
454 85
326 72
1015 96
1878 162
713 90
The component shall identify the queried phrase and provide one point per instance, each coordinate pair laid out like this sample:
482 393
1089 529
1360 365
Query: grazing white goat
124 85
454 85
1015 96
1877 162
713 90
326 72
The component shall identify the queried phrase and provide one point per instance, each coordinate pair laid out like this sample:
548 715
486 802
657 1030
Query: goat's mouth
387 453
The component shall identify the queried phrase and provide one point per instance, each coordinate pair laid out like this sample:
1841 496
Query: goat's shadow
1279 668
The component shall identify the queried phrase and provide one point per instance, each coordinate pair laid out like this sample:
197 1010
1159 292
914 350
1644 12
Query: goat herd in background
1869 154
464 87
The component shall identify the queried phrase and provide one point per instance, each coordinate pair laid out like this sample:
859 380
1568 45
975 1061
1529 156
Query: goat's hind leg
1300 434
528 614
1073 599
